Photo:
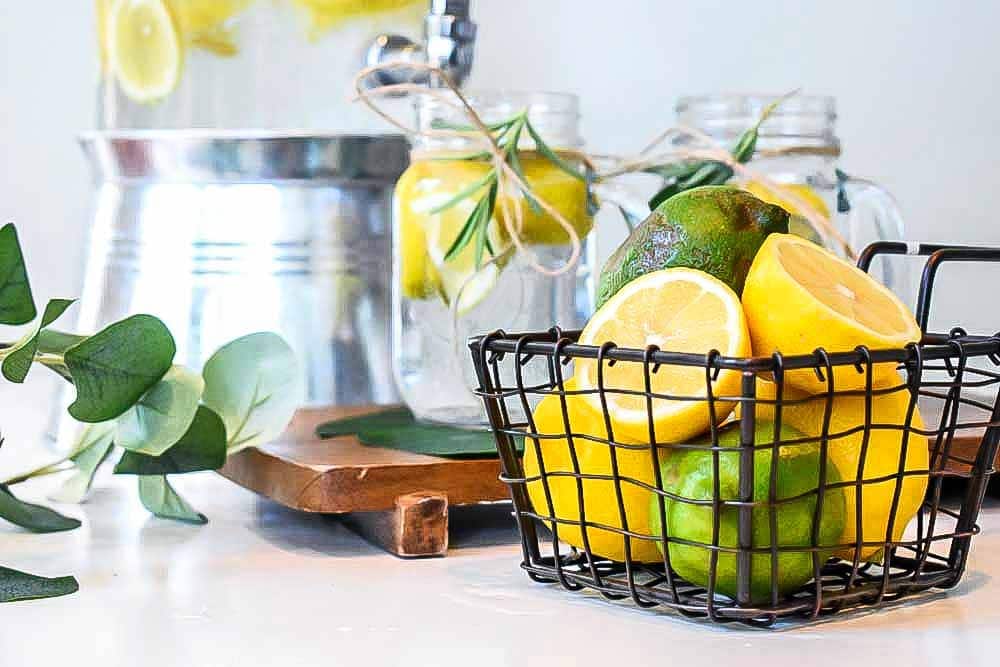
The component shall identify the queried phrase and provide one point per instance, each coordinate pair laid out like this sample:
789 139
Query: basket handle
936 254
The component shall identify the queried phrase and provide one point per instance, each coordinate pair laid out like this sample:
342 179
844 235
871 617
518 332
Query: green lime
688 474
715 228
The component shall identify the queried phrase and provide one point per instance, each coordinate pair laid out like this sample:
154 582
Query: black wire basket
705 547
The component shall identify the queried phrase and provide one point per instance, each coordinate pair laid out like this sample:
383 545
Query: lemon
799 297
203 23
144 49
600 502
418 278
802 190
326 14
679 310
564 193
805 413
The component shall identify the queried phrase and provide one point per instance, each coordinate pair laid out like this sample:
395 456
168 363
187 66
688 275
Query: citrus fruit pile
796 297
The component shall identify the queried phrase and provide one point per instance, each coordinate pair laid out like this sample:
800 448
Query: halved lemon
679 310
144 49
799 297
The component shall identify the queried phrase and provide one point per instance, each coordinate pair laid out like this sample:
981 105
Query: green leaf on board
254 384
162 416
114 368
397 429
17 306
18 359
203 447
16 586
162 500
92 448
33 517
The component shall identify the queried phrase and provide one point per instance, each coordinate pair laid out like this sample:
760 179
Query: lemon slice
799 297
461 282
144 49
679 310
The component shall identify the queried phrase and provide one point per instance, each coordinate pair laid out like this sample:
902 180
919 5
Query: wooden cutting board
398 499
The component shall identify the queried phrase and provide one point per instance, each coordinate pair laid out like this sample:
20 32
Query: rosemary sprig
683 176
507 134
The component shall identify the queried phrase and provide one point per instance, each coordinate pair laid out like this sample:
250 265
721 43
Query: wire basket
705 547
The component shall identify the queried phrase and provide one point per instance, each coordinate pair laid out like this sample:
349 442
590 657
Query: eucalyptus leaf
162 500
114 368
16 586
93 447
17 306
51 341
254 384
18 359
203 447
33 517
162 416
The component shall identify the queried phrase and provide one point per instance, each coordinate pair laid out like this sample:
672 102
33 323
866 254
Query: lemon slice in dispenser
144 49
460 280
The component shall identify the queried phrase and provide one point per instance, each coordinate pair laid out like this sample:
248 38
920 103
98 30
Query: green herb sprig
159 417
507 134
681 176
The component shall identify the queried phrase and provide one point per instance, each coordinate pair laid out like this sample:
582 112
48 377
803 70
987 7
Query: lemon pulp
678 310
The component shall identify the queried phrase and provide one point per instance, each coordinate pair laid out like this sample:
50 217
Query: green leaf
113 368
396 428
254 384
203 447
19 358
550 155
162 416
35 518
93 447
468 231
465 193
16 586
51 341
160 498
16 303
483 238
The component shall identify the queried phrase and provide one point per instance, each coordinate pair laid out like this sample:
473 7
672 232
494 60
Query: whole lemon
689 474
882 458
600 502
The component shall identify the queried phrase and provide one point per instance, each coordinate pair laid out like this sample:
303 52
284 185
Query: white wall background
916 82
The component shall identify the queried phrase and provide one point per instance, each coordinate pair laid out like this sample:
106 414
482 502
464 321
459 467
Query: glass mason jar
439 302
797 146
275 64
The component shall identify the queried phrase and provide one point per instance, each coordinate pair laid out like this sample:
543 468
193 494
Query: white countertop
263 585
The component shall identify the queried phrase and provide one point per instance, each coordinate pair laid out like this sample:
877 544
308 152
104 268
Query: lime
688 474
715 228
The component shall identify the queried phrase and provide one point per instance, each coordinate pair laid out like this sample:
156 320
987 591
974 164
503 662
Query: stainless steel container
221 234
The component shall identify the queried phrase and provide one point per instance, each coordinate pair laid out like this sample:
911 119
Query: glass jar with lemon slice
238 63
797 147
451 283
